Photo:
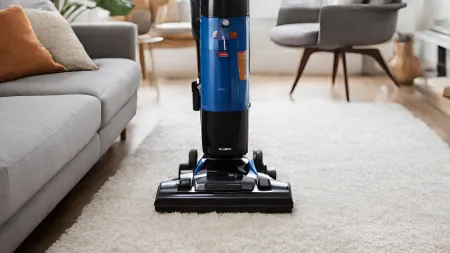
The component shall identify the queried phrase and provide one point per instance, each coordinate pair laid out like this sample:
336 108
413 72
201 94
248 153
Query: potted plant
71 9
405 66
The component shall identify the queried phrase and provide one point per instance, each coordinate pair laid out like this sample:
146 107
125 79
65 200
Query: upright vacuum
223 179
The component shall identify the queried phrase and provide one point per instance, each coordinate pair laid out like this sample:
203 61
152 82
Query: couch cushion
295 35
38 136
113 83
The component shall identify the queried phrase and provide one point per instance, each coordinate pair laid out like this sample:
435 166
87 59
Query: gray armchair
338 29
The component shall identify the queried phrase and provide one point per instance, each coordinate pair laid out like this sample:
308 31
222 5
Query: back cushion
29 4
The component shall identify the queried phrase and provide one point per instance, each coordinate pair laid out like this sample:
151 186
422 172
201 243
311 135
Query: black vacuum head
204 194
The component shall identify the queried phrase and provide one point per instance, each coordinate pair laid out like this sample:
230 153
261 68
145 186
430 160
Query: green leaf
73 11
116 7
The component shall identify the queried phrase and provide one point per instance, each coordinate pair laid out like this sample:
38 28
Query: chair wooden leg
306 54
153 76
335 66
123 134
344 62
142 60
376 55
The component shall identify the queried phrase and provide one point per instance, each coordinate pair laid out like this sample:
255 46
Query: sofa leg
123 134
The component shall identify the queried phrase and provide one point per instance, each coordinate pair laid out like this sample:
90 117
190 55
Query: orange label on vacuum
233 35
242 65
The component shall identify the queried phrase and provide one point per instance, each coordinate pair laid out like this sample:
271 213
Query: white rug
365 178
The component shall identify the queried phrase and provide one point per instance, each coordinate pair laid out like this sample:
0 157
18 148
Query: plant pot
405 66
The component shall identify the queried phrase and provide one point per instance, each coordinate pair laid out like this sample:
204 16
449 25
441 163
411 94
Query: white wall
266 57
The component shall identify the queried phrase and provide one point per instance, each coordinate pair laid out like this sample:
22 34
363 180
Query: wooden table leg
153 77
142 60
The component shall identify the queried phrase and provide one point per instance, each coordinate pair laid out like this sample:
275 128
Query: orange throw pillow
21 53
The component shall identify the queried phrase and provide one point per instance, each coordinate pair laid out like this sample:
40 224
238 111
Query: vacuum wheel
193 159
258 160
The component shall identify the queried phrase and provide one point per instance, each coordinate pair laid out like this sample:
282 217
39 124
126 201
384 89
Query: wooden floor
362 89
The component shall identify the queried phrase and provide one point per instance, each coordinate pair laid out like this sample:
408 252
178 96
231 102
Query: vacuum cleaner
223 180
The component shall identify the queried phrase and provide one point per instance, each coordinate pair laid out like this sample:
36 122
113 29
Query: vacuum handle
195 96
224 43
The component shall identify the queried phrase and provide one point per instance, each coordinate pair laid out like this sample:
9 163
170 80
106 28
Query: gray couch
54 128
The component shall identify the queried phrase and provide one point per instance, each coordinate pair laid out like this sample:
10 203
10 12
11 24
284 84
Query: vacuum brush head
249 195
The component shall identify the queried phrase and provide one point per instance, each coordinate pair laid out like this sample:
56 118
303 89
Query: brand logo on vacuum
224 149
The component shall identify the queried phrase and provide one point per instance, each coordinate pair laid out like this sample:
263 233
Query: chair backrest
141 16
376 24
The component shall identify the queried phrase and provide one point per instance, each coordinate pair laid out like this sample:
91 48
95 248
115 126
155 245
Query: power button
225 22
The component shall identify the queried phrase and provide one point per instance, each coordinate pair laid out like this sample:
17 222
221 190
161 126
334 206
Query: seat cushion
38 136
113 83
295 35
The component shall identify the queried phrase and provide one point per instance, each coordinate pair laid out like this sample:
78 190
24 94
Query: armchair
338 29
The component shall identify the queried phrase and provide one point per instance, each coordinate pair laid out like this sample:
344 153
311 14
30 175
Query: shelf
431 36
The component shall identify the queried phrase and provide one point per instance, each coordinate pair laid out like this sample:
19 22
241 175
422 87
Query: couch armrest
108 39
357 24
298 13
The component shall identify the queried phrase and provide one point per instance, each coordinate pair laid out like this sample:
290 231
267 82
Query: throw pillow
29 4
21 53
58 37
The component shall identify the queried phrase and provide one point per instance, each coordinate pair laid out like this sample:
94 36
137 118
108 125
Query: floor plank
362 89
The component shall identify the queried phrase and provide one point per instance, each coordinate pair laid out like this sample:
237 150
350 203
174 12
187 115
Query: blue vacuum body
223 179
224 64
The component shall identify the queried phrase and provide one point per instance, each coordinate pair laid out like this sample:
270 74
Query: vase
405 66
